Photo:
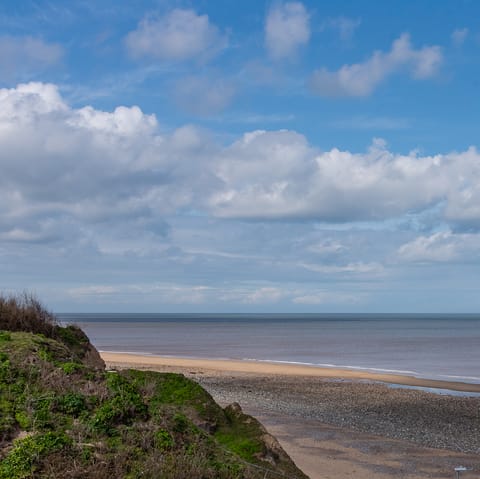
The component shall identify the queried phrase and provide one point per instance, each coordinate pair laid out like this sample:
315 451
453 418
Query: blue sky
231 156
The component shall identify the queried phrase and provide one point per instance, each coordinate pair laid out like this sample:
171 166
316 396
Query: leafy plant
72 403
22 460
163 440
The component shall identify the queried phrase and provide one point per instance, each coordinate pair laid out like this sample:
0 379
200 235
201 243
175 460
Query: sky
226 156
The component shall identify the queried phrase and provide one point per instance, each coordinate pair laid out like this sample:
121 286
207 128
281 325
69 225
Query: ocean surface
430 346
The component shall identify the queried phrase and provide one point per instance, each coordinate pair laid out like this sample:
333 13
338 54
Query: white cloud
177 36
286 29
278 174
26 56
361 79
203 96
443 246
106 176
459 36
87 167
351 268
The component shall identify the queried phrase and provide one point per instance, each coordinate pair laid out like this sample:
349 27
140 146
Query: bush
5 336
26 313
72 403
71 367
27 453
125 405
163 440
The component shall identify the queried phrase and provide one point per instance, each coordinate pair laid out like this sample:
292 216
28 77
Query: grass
63 416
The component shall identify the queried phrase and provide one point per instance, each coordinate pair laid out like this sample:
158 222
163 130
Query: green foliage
27 453
241 434
72 336
42 417
70 367
163 440
72 403
7 419
180 423
4 366
125 405
23 419
128 424
5 336
177 389
46 355
244 447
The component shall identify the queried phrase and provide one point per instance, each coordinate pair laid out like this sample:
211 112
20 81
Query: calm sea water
434 346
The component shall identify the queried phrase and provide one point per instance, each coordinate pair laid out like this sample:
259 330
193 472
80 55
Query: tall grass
24 312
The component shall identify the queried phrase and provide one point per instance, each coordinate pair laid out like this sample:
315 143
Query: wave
336 366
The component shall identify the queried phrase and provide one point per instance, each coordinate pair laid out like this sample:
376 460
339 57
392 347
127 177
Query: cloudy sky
226 156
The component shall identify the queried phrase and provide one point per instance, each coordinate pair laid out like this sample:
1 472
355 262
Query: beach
342 423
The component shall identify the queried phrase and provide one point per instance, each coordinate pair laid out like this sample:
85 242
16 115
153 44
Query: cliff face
63 416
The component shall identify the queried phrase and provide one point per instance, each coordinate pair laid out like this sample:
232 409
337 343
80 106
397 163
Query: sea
437 346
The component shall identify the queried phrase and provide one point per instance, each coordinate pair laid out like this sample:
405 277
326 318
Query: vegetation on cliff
63 416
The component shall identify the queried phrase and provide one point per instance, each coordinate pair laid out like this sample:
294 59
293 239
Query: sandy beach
255 367
343 423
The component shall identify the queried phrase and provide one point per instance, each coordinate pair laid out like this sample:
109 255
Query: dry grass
26 313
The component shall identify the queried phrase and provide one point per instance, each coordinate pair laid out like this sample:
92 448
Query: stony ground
431 420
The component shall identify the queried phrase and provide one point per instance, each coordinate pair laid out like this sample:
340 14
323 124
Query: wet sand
339 423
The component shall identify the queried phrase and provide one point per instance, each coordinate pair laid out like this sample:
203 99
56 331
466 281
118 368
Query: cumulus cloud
203 96
279 175
286 29
85 170
86 166
361 79
26 56
177 36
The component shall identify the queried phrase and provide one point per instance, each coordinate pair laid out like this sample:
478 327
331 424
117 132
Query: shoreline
340 423
226 366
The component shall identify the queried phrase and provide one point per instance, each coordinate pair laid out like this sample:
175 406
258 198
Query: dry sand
266 368
337 423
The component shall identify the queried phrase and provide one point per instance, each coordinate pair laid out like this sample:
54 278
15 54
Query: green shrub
180 423
27 453
5 336
46 355
125 405
72 403
7 420
70 367
23 419
5 369
163 440
42 413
